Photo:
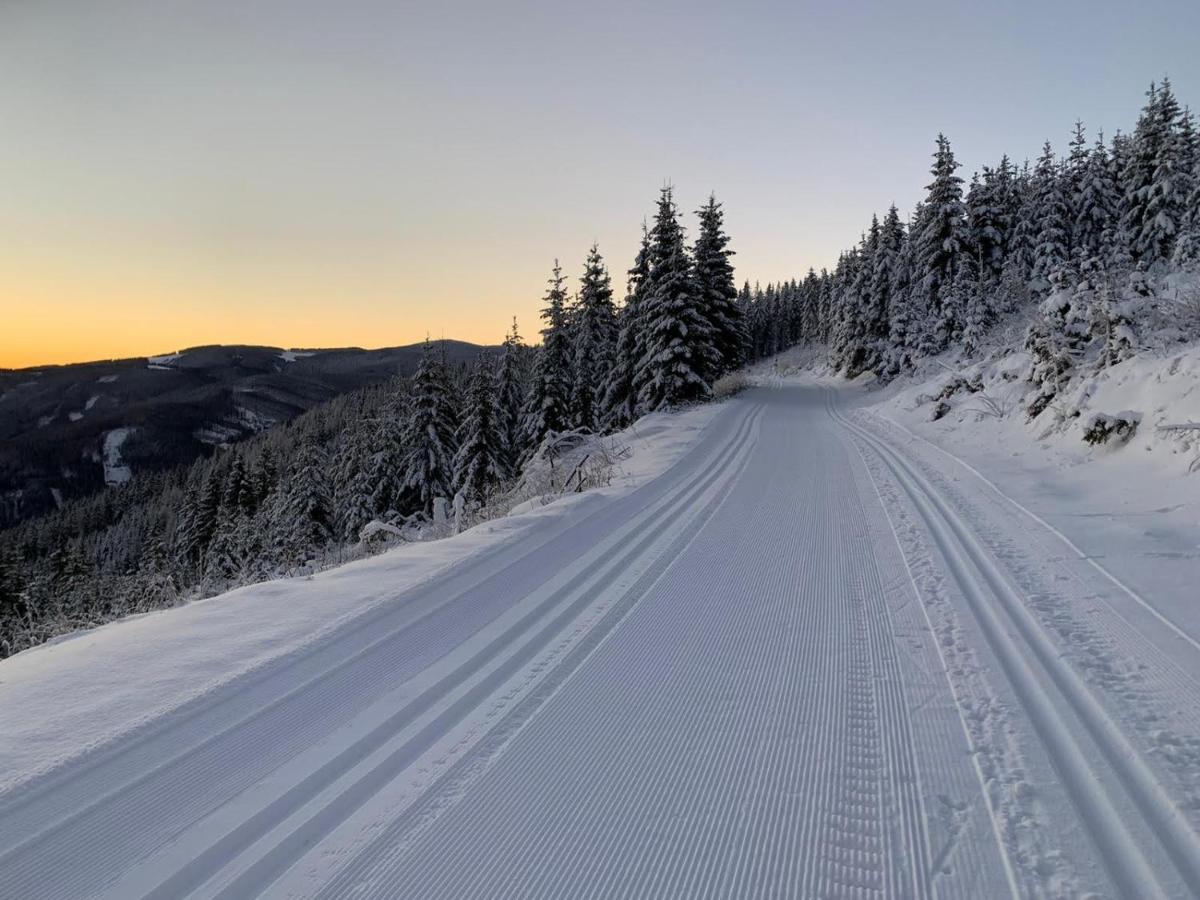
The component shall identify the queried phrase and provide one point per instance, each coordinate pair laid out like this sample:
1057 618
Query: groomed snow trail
798 664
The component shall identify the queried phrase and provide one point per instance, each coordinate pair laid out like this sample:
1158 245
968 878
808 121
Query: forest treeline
1080 243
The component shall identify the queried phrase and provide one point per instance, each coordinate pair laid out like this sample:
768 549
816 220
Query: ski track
1032 663
804 662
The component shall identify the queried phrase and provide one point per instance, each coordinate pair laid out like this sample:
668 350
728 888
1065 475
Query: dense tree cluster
1076 239
300 496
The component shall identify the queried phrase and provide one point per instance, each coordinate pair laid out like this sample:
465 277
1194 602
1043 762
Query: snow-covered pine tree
942 237
975 288
679 355
898 356
1149 165
511 390
353 488
884 276
303 512
853 346
1055 342
1096 204
429 434
620 398
1165 199
595 339
479 464
1187 247
157 584
198 513
987 218
549 404
954 297
1052 252
1023 238
1075 170
716 290
810 330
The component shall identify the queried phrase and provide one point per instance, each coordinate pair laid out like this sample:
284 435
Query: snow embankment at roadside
1131 504
60 699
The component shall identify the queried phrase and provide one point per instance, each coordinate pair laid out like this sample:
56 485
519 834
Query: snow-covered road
813 659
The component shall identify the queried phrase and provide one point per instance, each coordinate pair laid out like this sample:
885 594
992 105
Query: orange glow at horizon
54 316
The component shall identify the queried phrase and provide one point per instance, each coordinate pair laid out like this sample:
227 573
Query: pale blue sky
295 172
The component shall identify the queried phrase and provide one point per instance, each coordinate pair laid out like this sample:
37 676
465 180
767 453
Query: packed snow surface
803 652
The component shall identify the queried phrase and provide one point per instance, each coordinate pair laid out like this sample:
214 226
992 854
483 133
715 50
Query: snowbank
82 690
1131 502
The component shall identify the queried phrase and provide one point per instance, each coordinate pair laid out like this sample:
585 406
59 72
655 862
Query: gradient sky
297 173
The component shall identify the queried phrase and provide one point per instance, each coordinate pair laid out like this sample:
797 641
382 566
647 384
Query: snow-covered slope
1131 504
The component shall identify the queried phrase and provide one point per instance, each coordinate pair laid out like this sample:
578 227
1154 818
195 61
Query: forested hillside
69 431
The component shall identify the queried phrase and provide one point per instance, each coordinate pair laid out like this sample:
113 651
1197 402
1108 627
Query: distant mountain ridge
68 430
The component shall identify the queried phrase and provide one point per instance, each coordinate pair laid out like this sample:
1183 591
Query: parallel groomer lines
946 672
909 812
979 579
1110 643
379 860
614 557
60 797
737 756
197 787
137 753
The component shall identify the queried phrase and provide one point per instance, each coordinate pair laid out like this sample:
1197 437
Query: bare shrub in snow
991 406
566 462
1102 428
729 385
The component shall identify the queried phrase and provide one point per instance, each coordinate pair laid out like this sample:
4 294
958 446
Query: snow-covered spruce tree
1055 342
595 340
511 390
811 328
198 514
679 355
479 464
549 405
1187 248
898 356
975 288
156 585
302 515
1149 164
1114 315
988 217
621 396
1075 171
885 265
715 287
953 316
941 239
1096 205
353 490
386 461
429 444
853 346
1024 235
1052 252
1169 189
